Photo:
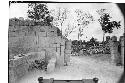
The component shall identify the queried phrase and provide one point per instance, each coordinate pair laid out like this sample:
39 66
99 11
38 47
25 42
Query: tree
106 23
83 19
39 13
60 15
69 29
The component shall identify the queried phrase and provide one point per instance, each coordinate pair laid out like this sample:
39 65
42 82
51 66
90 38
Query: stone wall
114 49
122 49
32 41
117 50
67 51
31 38
19 66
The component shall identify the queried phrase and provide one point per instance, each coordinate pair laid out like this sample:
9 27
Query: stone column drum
114 49
122 49
67 51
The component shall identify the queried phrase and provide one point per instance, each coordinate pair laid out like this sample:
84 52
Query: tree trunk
79 34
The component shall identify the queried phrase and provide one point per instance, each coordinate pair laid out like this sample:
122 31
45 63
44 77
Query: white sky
93 30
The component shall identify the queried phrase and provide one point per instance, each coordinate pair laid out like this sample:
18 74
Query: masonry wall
31 38
117 50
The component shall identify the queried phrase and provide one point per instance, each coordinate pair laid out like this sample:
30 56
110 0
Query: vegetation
106 23
39 13
83 20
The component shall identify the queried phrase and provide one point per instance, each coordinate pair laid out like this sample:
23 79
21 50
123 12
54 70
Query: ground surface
78 68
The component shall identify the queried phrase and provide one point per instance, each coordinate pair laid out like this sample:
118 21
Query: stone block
59 60
51 65
42 34
67 51
21 70
12 75
67 58
51 34
68 44
62 50
55 45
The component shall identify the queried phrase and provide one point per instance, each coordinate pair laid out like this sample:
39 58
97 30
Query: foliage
19 22
106 23
39 13
59 17
83 19
93 42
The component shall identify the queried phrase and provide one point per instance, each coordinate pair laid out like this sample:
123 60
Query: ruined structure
117 50
67 52
114 49
35 42
122 48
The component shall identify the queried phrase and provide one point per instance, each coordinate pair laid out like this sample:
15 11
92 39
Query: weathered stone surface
12 75
115 56
33 39
51 65
122 49
18 67
67 58
114 52
62 50
68 51
59 60
68 44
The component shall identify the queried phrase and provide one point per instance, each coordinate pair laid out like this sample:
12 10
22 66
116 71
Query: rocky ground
78 68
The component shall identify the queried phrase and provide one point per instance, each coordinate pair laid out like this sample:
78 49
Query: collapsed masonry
117 50
40 42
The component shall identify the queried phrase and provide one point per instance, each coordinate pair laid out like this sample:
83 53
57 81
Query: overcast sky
92 30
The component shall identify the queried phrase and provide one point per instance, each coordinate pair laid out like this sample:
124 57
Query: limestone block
67 58
122 54
62 60
51 34
114 50
67 51
62 50
59 60
51 65
68 44
21 33
21 70
43 42
42 34
122 40
122 48
58 51
55 45
17 69
12 75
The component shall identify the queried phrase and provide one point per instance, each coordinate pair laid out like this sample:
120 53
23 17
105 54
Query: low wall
19 66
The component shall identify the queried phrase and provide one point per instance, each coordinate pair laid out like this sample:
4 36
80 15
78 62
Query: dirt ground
79 68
